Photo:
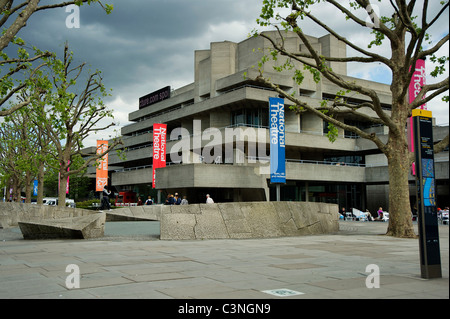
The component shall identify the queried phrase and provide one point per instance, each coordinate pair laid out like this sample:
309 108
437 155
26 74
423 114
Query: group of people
176 200
172 199
148 201
370 216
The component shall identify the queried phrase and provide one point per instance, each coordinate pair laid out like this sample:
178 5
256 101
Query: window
252 117
325 128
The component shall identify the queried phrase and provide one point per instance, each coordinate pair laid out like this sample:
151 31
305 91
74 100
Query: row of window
259 117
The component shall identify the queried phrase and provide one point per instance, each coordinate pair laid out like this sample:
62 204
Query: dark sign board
430 256
154 97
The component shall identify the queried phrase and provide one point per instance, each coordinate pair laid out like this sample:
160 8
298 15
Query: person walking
170 200
177 199
184 201
105 199
209 200
149 201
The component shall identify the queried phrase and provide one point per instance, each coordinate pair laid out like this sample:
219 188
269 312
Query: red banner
102 169
159 148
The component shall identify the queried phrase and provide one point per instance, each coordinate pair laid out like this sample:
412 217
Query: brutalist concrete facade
350 172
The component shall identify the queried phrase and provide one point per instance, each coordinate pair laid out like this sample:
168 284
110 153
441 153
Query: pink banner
417 81
159 148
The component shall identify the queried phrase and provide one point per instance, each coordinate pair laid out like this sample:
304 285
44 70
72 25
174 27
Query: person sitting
380 214
369 215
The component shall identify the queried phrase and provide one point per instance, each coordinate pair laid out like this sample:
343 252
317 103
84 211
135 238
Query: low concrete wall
135 213
84 227
13 213
201 221
248 220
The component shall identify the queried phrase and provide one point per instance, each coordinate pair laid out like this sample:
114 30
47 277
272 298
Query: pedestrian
170 200
177 199
184 201
139 202
209 200
343 213
149 201
105 200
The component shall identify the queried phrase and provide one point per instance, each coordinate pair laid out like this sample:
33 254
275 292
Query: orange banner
102 169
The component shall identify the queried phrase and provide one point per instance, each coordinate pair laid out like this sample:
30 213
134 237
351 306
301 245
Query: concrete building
351 172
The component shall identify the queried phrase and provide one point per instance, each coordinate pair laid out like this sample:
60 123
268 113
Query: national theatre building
218 136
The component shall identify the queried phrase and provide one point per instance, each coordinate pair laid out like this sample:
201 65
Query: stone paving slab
331 266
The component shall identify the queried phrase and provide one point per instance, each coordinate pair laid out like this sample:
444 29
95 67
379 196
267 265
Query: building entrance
347 196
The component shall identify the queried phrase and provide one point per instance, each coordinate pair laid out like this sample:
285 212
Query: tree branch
328 119
420 99
376 57
18 24
440 146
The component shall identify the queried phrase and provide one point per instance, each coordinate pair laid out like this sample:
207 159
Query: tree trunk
62 190
400 220
28 188
16 191
40 195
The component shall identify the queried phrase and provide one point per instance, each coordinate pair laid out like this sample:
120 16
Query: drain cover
283 292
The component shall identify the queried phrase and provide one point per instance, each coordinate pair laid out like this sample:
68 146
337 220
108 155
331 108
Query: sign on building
277 141
154 97
159 148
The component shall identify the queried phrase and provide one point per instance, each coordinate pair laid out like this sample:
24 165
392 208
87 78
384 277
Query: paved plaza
131 263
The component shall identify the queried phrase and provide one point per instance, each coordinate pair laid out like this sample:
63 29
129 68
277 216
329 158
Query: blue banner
277 141
35 187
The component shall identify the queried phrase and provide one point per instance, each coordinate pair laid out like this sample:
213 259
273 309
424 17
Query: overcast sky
145 45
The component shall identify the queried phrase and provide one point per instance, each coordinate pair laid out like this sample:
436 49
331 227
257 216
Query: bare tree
14 17
21 12
407 37
70 117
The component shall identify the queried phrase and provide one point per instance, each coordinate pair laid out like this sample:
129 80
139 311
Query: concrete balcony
235 176
132 177
325 173
208 175
238 95
380 174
